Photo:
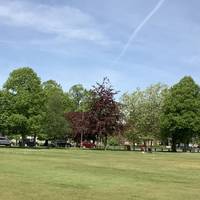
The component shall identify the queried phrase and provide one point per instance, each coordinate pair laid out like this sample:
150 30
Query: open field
94 175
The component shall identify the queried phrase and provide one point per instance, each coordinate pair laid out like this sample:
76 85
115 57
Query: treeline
29 107
169 115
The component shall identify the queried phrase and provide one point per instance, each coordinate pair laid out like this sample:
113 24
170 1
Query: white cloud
65 23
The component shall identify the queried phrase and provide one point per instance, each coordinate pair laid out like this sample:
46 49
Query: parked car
31 143
89 145
60 143
28 142
4 141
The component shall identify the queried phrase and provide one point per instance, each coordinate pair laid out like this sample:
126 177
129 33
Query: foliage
142 110
80 124
102 117
31 108
79 97
22 102
4 111
105 115
55 125
181 112
113 141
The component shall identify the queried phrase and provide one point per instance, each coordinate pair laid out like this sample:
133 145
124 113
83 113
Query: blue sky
78 41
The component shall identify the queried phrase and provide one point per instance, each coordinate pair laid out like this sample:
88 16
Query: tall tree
105 115
4 111
142 110
180 120
78 114
79 97
55 125
23 91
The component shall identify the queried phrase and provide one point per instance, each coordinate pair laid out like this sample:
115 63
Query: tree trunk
81 144
185 148
145 146
133 145
46 143
173 145
16 141
34 139
22 144
105 142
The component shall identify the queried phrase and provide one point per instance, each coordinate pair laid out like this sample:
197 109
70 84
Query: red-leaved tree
105 116
80 124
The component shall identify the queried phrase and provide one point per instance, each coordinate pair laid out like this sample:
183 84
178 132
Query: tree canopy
181 112
29 107
142 111
79 97
22 95
105 114
54 124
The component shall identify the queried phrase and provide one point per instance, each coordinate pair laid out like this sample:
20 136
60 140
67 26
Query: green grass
94 175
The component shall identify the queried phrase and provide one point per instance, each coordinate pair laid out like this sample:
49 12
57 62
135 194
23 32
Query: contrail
138 28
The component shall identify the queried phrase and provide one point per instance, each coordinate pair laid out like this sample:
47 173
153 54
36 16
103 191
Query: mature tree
80 124
131 108
4 112
23 96
55 125
77 115
105 115
180 120
142 110
79 97
51 86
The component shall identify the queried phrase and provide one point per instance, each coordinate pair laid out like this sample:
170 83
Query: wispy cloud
62 22
137 30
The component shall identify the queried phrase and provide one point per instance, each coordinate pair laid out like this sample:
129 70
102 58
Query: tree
22 93
51 86
142 110
79 97
80 124
105 115
55 125
4 111
180 120
78 114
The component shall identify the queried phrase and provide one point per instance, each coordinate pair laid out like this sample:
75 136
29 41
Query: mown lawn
94 175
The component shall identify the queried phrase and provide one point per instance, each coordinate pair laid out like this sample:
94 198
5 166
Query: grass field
94 175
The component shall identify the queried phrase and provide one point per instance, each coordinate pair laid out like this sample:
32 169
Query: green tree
55 125
180 119
22 93
51 86
79 97
57 103
4 111
142 110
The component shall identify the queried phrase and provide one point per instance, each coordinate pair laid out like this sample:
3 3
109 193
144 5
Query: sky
82 41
